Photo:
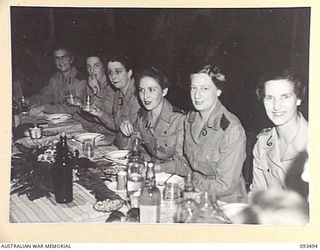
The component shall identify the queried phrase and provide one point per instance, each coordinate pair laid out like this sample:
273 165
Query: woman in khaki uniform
215 141
52 98
102 96
126 104
159 124
279 147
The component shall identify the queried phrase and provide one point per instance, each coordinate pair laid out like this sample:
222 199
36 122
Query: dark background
245 43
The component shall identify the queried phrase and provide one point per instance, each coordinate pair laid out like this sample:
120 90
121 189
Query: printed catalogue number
308 245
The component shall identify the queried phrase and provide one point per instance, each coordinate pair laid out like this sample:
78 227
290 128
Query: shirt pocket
166 146
207 161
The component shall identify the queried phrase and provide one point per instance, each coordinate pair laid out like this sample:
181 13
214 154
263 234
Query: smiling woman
277 148
215 140
159 124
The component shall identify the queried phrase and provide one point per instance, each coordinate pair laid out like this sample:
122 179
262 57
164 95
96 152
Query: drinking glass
87 106
70 97
88 148
24 105
171 192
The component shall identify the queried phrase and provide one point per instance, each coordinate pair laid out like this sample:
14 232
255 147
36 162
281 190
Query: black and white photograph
159 116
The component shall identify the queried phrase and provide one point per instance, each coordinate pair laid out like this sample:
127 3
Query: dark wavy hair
291 76
101 58
156 74
123 59
214 72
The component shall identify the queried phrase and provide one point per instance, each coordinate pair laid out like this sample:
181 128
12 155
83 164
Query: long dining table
46 209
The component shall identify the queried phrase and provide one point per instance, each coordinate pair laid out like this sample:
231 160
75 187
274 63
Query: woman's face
204 93
63 60
95 67
118 75
151 93
280 101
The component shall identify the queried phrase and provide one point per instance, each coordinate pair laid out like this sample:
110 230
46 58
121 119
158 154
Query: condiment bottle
150 198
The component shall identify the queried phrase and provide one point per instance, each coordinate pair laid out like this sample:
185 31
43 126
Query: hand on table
96 111
36 110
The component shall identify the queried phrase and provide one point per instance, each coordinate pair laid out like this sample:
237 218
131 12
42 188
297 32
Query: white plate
162 177
93 136
233 209
119 156
58 118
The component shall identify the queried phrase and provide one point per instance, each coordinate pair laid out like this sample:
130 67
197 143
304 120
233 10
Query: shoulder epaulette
264 131
224 122
177 110
80 76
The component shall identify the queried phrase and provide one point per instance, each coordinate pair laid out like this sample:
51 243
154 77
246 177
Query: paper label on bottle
148 214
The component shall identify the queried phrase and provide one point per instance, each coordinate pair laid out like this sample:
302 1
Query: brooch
204 132
120 101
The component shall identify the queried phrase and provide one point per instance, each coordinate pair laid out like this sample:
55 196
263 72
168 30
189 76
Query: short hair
123 59
101 58
156 74
63 47
214 72
291 76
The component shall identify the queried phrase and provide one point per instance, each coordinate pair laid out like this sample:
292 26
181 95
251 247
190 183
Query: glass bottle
206 212
23 105
150 198
16 120
186 210
188 187
63 178
135 169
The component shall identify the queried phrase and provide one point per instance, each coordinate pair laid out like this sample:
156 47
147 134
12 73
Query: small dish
93 136
58 118
118 156
108 205
162 177
49 133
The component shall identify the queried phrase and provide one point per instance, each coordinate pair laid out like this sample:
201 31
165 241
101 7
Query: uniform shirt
52 96
125 107
164 139
104 100
269 170
217 154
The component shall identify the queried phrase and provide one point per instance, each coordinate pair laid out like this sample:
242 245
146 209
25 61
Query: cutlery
165 182
113 160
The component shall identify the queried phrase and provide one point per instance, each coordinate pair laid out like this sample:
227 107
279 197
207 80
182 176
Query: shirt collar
214 118
165 114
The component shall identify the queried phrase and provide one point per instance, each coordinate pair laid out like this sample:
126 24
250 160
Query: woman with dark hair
125 105
278 147
215 141
102 95
159 124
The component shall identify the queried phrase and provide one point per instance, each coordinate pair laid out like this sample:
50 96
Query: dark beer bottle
63 179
